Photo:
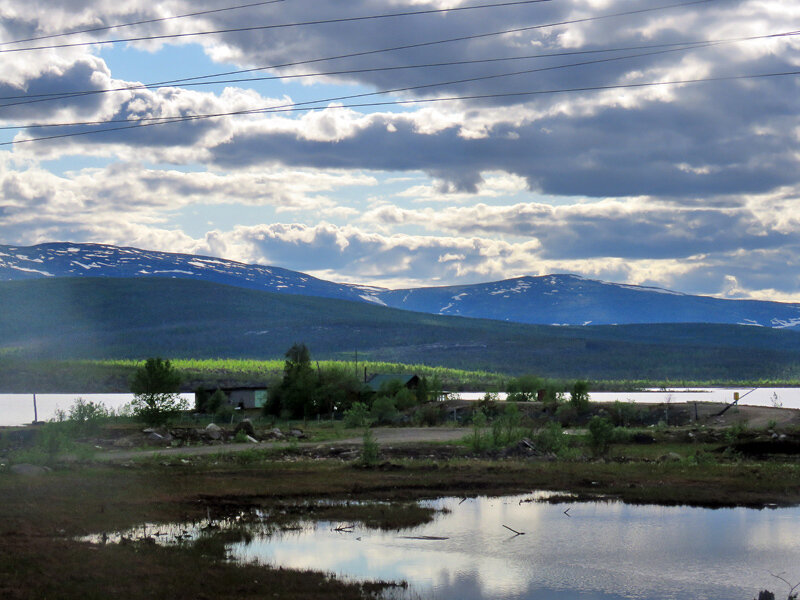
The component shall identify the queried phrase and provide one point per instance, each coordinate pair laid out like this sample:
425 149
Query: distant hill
68 318
547 300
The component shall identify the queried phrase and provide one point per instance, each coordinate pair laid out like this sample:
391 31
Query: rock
28 470
155 439
213 432
670 457
247 426
276 434
125 442
297 433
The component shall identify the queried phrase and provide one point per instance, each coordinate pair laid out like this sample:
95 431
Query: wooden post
35 411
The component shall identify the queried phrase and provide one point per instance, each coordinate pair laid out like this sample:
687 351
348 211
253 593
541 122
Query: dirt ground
688 415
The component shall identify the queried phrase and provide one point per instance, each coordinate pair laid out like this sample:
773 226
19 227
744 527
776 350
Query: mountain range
559 299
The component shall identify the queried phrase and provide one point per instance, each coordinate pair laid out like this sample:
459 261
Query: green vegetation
369 449
155 387
135 318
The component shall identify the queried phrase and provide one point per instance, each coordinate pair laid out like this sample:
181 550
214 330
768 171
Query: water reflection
601 550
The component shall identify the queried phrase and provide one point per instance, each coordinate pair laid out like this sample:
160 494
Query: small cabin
244 397
407 380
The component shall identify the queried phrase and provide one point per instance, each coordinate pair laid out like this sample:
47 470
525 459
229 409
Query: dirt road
384 436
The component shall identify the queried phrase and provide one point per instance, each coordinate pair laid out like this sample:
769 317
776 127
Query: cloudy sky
395 143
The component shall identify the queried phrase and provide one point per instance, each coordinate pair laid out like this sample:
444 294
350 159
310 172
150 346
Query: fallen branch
514 530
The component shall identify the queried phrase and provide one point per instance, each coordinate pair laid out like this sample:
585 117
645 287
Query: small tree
601 432
579 396
297 389
155 387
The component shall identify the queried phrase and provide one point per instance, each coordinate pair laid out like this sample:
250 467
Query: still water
608 551
568 550
17 409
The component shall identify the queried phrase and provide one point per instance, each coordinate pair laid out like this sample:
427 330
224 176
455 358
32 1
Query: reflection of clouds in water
604 551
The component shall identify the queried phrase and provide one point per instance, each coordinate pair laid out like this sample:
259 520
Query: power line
190 80
26 99
419 101
278 26
144 22
381 92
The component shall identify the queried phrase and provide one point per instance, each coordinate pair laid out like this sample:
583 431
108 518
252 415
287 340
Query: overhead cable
522 94
281 25
25 99
143 22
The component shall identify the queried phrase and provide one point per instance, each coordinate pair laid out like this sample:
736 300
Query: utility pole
35 412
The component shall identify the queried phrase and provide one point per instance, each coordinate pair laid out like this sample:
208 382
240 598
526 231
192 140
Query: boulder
247 426
669 457
156 439
213 432
124 442
276 434
28 470
297 433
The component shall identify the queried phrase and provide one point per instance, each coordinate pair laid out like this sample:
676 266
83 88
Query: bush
566 415
476 440
384 409
505 427
579 396
369 449
624 414
551 438
524 388
488 404
357 415
601 433
155 386
429 414
86 415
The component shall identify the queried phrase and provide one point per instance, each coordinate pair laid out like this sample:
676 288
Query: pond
568 550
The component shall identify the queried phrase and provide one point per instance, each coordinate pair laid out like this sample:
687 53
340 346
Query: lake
587 551
17 409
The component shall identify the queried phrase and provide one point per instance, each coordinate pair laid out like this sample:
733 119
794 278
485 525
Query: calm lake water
17 409
598 551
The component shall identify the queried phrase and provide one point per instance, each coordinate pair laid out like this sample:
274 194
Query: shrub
488 404
369 449
476 440
384 409
429 414
550 438
601 433
524 388
155 386
357 415
566 414
624 414
86 415
579 396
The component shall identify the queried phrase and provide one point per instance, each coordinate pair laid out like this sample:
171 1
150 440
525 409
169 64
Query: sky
404 143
